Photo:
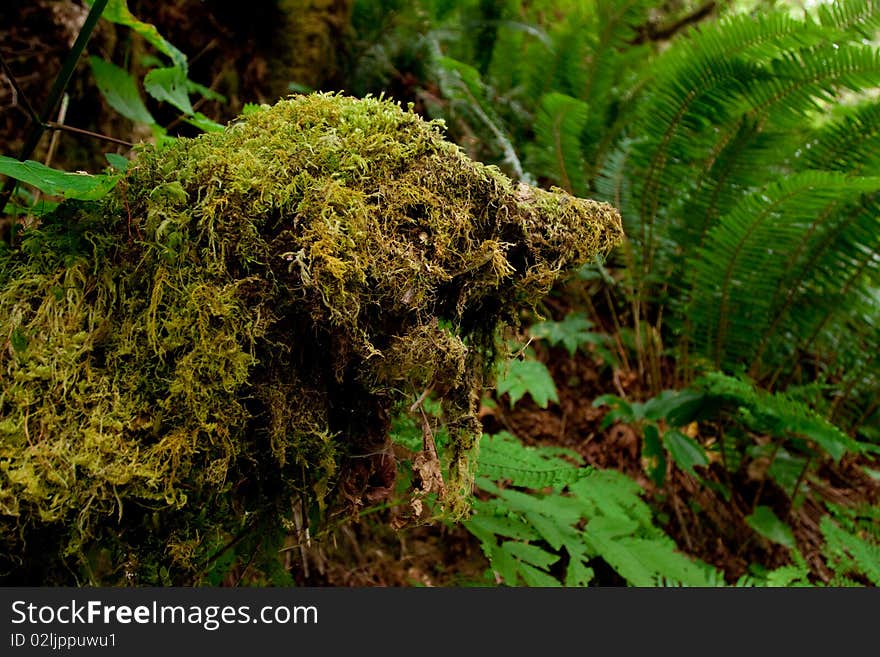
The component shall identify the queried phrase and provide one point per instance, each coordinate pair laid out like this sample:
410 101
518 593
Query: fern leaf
527 377
530 554
611 494
742 253
849 143
470 97
851 553
556 153
858 18
486 524
503 456
800 82
578 573
642 561
535 577
777 413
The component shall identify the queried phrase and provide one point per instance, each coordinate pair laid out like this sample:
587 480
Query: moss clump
233 328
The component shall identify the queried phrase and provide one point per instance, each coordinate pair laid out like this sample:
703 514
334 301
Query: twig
418 402
651 32
88 133
53 144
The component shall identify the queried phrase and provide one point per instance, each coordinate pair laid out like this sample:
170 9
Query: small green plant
574 332
543 519
852 544
165 83
526 375
800 437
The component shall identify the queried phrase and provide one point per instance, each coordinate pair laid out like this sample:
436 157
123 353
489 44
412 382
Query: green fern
503 456
852 543
556 153
536 538
746 250
526 376
777 414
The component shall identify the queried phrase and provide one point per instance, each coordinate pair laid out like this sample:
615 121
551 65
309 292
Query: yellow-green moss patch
232 329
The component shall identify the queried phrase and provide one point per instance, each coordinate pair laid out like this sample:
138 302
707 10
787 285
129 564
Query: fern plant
548 521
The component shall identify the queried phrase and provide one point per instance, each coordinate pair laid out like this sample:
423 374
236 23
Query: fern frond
743 253
697 83
469 97
776 413
556 152
850 553
850 143
858 18
642 561
828 275
800 82
503 456
610 494
613 185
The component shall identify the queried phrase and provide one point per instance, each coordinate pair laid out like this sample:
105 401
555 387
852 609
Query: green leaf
19 340
202 122
571 332
621 410
530 554
481 525
537 578
556 153
204 92
676 406
80 186
525 502
169 85
118 162
503 456
556 531
120 91
578 574
504 564
528 377
685 451
768 525
117 12
654 455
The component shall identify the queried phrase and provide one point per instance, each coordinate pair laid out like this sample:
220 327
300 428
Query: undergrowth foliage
549 520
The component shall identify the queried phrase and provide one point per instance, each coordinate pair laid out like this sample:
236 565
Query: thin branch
654 33
53 145
52 125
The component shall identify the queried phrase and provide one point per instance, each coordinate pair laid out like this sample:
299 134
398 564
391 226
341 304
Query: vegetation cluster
699 407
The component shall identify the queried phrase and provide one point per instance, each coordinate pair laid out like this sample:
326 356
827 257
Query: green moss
230 332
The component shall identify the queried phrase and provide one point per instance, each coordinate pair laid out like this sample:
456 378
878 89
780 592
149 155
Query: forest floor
703 523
